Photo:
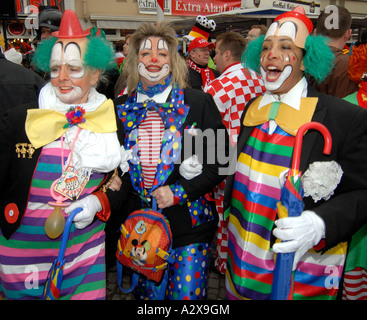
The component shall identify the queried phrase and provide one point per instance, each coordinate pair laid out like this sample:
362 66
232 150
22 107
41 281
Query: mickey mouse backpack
145 246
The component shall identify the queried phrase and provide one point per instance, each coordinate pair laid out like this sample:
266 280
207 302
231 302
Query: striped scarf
207 74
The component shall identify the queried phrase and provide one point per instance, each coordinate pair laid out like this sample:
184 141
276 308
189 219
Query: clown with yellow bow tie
335 186
61 151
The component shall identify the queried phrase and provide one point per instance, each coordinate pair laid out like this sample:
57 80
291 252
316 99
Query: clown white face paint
70 57
69 78
281 64
153 61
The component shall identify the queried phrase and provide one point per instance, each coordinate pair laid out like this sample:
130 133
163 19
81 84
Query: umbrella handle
298 145
65 235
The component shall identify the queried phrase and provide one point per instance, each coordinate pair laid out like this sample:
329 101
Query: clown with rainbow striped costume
286 56
71 135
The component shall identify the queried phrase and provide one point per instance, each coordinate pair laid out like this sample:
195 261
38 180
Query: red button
11 213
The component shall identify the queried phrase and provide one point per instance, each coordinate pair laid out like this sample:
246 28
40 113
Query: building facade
120 17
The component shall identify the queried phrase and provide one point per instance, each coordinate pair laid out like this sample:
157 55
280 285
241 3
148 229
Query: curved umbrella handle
65 235
298 145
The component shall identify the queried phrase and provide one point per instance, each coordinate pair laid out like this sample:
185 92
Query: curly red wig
358 62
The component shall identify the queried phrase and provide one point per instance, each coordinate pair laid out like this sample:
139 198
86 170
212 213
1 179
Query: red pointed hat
70 27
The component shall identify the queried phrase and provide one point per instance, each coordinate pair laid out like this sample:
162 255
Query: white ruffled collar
48 100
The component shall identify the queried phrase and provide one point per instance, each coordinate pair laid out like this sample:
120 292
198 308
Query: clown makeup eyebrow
146 44
56 54
162 45
272 29
77 45
73 54
288 29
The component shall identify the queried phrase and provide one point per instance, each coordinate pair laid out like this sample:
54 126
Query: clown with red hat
64 148
334 185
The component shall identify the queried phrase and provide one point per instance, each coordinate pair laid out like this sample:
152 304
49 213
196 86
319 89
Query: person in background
201 66
49 20
121 81
119 54
335 185
156 132
337 83
125 49
231 91
64 148
18 85
200 74
14 56
256 31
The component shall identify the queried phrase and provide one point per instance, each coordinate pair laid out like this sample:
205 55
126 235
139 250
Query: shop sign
189 7
16 29
312 7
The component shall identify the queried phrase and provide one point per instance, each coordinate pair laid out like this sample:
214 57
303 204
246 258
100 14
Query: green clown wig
99 53
318 58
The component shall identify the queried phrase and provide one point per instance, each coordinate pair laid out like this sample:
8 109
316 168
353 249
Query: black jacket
195 80
18 85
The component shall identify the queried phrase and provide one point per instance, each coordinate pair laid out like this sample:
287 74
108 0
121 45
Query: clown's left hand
91 205
299 233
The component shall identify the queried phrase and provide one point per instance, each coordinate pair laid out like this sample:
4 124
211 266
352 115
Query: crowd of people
105 130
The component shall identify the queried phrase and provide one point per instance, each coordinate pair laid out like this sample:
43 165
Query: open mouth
154 68
65 89
273 73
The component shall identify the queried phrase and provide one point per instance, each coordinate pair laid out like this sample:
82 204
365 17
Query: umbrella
291 205
55 275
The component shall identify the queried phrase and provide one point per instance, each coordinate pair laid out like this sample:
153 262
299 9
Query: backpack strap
154 205
164 255
134 279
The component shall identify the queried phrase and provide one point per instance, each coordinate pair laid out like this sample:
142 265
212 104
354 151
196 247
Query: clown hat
294 24
298 13
202 29
70 27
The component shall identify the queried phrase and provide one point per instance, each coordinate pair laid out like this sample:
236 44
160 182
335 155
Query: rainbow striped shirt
27 256
256 191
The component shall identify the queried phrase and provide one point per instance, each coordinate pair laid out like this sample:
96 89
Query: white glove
90 205
191 167
300 233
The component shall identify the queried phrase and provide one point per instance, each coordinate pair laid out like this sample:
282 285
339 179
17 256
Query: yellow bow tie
44 125
286 117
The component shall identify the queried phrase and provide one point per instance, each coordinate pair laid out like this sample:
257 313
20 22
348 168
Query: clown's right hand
191 167
90 205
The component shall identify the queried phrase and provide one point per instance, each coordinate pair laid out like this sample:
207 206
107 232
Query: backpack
145 246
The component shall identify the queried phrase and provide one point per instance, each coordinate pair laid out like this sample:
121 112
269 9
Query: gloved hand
300 233
191 167
90 205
